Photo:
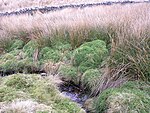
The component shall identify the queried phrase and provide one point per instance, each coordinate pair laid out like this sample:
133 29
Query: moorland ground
103 49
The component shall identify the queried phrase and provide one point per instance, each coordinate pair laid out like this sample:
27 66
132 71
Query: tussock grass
23 106
130 20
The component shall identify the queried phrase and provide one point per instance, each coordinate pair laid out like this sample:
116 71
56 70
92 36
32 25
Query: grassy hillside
8 5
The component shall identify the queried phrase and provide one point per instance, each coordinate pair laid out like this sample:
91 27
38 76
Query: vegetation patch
22 106
17 44
69 73
42 91
30 48
48 53
90 78
8 94
135 55
90 55
15 61
81 46
123 99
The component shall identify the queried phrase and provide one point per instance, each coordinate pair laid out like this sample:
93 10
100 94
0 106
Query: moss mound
90 55
62 46
90 77
17 44
48 53
35 88
30 48
15 61
139 85
68 72
8 62
9 94
123 99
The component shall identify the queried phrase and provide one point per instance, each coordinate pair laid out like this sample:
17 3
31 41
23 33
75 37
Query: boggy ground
103 50
59 61
26 93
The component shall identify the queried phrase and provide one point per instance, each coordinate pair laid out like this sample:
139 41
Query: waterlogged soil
73 92
68 89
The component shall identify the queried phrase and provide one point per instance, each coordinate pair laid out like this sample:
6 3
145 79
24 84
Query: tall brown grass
118 21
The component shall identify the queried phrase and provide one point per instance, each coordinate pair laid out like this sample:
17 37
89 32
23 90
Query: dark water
68 89
73 92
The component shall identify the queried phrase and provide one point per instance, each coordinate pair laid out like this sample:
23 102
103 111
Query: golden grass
119 21
24 106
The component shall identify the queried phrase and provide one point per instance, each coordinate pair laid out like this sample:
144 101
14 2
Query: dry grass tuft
24 106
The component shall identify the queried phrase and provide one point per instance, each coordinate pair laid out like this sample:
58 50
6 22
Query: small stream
68 89
73 92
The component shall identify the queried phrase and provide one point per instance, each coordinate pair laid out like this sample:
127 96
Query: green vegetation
90 78
42 90
17 63
126 98
81 54
48 53
17 44
69 72
139 85
90 55
135 54
30 48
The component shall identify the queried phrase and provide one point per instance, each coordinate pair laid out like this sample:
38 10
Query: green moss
67 106
139 85
62 46
34 87
67 56
42 112
44 92
48 53
123 99
7 62
17 44
11 44
15 52
89 78
9 94
90 55
30 48
69 72
7 56
19 82
14 61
